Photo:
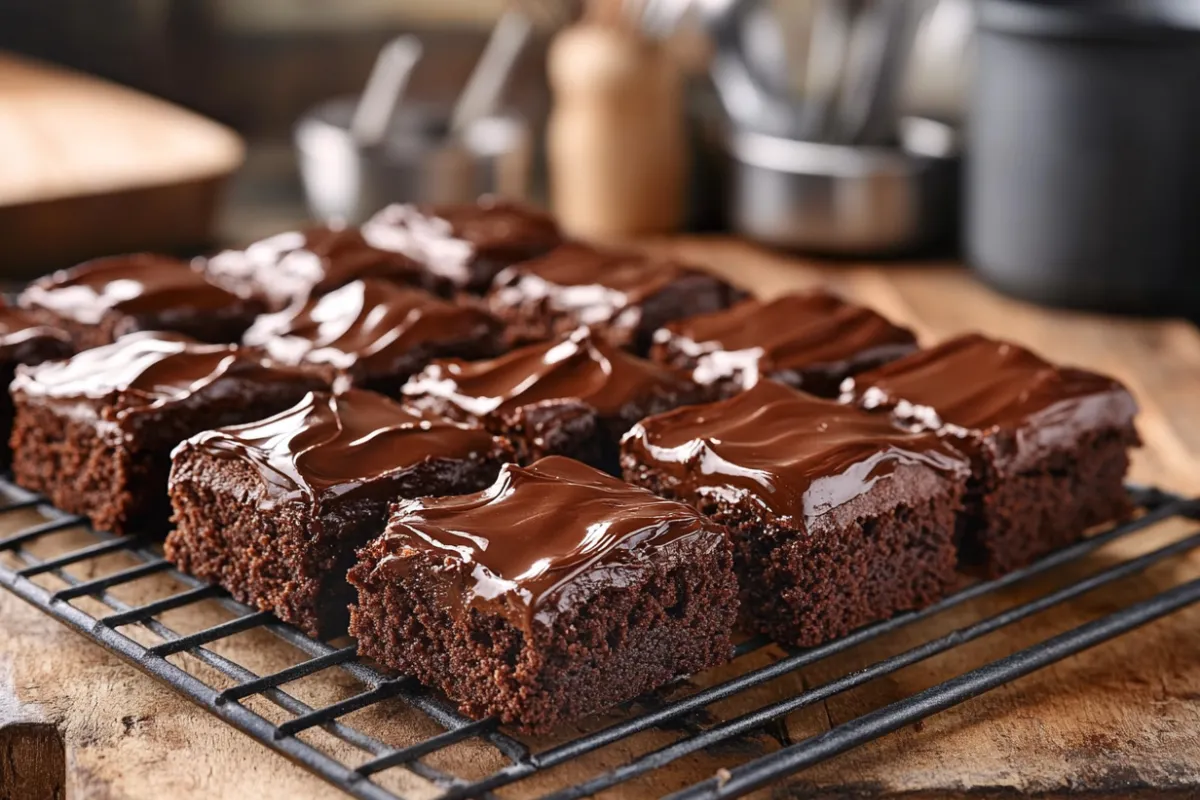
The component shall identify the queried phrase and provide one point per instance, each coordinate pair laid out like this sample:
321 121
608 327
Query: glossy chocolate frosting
593 285
795 455
372 325
140 373
350 445
467 243
782 338
296 265
578 366
138 284
543 539
24 338
974 386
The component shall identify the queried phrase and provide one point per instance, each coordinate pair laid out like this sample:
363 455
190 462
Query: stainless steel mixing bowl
847 200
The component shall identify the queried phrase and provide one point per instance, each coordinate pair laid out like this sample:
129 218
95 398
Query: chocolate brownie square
1049 445
810 341
294 266
839 518
464 244
555 593
99 301
374 333
94 433
625 296
23 340
575 396
274 510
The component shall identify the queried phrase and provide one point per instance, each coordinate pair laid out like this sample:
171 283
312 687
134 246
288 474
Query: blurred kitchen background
1048 143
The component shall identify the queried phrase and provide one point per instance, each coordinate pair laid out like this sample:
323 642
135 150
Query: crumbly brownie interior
806 587
1034 512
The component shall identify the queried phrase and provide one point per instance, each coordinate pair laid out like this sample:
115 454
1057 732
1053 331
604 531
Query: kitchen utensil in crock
845 199
414 162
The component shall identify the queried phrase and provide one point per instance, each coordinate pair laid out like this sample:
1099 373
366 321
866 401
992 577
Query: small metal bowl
416 161
847 200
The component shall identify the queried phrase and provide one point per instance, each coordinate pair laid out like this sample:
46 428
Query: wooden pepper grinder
616 142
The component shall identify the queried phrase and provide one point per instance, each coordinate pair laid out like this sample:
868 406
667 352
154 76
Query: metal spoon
828 45
880 43
389 76
490 76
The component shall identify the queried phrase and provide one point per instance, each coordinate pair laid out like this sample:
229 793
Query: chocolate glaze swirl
26 339
625 296
542 539
466 244
789 336
143 372
795 455
370 324
973 386
593 284
578 366
138 284
349 445
295 265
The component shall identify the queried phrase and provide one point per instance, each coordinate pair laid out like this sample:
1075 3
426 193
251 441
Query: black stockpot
1083 156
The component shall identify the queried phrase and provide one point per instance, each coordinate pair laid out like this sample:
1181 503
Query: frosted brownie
839 519
464 244
374 333
1050 445
24 339
810 341
291 267
574 396
623 296
555 593
99 301
94 432
274 510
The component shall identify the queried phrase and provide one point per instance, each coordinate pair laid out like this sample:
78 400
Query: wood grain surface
99 168
1121 721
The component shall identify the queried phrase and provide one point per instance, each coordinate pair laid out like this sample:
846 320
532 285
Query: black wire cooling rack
362 779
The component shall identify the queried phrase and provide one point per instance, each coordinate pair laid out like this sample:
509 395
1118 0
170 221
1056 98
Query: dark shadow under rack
358 780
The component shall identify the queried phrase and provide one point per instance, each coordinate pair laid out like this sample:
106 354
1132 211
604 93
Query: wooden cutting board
1119 721
89 168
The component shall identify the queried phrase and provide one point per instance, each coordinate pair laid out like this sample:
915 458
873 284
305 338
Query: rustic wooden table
1122 720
